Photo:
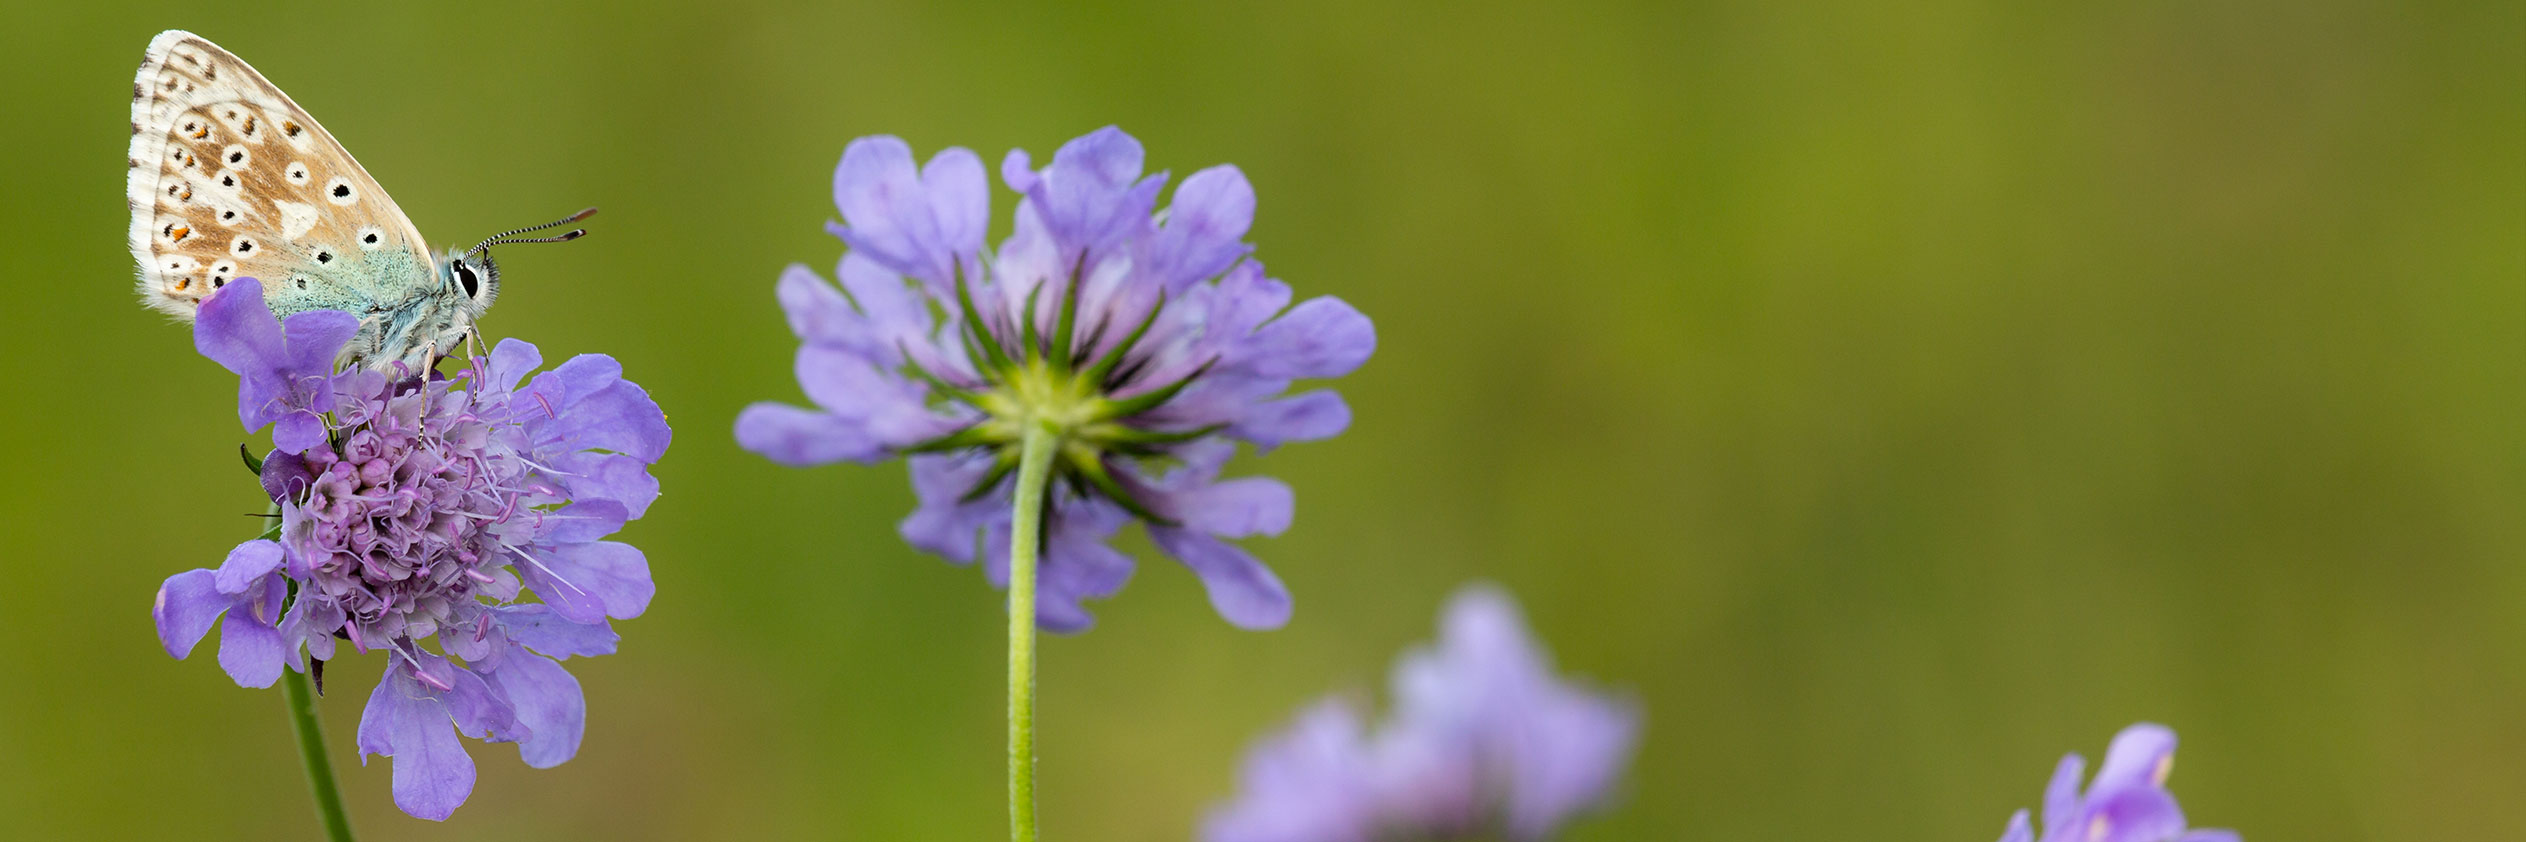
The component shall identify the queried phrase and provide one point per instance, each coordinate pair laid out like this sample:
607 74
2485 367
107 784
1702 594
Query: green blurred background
1891 398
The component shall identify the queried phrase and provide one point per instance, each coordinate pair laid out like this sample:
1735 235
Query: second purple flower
1147 341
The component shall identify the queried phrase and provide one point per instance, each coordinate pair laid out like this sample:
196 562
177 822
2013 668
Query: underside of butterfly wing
230 178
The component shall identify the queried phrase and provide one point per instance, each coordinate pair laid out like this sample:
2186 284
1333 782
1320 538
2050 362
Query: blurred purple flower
1144 338
2126 802
1484 741
422 511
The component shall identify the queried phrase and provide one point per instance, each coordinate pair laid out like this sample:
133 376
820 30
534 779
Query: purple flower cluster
1484 742
1147 340
2126 802
424 509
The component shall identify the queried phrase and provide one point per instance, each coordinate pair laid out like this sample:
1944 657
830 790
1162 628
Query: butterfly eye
465 277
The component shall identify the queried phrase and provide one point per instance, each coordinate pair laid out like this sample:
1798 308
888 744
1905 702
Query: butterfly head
472 278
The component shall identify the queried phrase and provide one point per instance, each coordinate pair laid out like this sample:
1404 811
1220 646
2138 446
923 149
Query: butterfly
230 179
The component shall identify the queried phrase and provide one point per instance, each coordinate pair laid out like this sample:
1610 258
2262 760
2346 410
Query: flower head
422 511
2127 801
1146 341
1484 741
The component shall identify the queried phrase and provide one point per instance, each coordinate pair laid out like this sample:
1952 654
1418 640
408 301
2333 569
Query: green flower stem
311 748
1034 472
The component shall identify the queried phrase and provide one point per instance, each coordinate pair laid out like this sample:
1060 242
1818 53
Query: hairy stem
1026 534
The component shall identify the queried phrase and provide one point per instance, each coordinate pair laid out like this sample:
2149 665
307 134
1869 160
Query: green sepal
1001 467
1026 330
973 435
254 464
1153 398
945 389
1065 326
1086 464
978 332
1138 442
1104 366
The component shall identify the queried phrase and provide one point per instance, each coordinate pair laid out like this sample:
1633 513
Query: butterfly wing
230 179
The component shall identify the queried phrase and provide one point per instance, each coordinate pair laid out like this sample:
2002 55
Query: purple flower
1484 741
421 512
285 372
2126 802
1147 341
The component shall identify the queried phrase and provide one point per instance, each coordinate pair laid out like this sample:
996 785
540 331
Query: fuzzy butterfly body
231 179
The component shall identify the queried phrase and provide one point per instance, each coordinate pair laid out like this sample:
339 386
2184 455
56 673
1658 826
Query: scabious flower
1484 741
423 510
2126 802
1148 341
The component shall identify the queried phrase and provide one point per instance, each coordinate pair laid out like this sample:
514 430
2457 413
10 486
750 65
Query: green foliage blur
1892 397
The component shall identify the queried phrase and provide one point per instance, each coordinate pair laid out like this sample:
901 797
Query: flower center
1042 384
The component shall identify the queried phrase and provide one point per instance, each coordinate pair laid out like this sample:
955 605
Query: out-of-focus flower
1485 741
1147 341
2126 802
422 511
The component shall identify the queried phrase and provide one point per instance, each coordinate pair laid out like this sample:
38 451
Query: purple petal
476 709
548 703
1306 416
285 475
613 572
884 209
893 408
252 649
945 524
592 475
804 437
538 627
310 624
188 604
511 361
2018 830
311 339
891 315
247 565
1205 231
586 405
1572 749
1432 777
2130 815
580 522
1087 197
297 432
817 312
2141 756
1076 563
960 198
915 222
1241 589
2061 794
1237 508
405 721
1018 171
1313 782
235 329
1321 337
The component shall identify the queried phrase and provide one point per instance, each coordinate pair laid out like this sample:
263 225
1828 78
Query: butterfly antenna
504 238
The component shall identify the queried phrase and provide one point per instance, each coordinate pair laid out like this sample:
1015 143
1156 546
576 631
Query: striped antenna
503 239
